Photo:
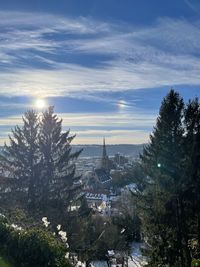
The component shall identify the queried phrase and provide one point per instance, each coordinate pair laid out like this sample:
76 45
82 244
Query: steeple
104 159
104 149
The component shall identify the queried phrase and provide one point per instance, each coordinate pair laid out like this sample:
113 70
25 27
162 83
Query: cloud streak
38 51
45 55
92 127
112 137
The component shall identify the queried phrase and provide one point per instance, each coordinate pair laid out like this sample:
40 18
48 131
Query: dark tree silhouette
21 159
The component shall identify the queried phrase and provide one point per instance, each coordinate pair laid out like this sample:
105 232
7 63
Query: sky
105 65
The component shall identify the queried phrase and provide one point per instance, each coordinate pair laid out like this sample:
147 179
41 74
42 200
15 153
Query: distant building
120 160
98 185
95 199
106 163
102 174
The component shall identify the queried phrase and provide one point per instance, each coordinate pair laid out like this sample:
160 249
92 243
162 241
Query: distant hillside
96 150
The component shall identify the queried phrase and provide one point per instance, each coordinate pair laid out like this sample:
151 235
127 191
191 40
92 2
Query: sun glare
40 103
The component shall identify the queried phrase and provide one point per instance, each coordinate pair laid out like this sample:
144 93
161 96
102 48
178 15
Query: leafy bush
195 263
4 263
34 247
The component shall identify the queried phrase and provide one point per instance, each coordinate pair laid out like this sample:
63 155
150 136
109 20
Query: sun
40 103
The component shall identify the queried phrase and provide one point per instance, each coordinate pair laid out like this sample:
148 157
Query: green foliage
131 226
128 176
4 263
59 185
34 247
41 165
19 216
170 193
21 158
120 179
103 235
128 218
95 237
195 263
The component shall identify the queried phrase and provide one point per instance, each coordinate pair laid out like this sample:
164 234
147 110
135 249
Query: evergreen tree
59 184
192 167
162 161
20 159
41 164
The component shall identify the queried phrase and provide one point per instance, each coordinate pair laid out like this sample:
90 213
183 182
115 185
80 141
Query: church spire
104 159
104 149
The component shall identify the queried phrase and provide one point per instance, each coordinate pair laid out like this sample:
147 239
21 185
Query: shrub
33 247
195 263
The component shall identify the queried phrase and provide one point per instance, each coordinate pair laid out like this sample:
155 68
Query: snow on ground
136 259
98 264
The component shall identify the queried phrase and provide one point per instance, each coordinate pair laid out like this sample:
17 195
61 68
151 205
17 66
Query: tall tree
162 161
21 158
192 166
59 184
40 162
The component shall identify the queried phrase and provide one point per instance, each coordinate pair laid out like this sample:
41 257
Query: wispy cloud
52 55
194 5
11 121
108 119
112 137
76 78
45 55
71 120
118 128
39 23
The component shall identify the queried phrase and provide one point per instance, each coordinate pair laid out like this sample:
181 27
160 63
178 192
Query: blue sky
104 64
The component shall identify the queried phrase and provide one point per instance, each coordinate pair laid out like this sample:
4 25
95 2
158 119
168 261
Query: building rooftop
102 175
